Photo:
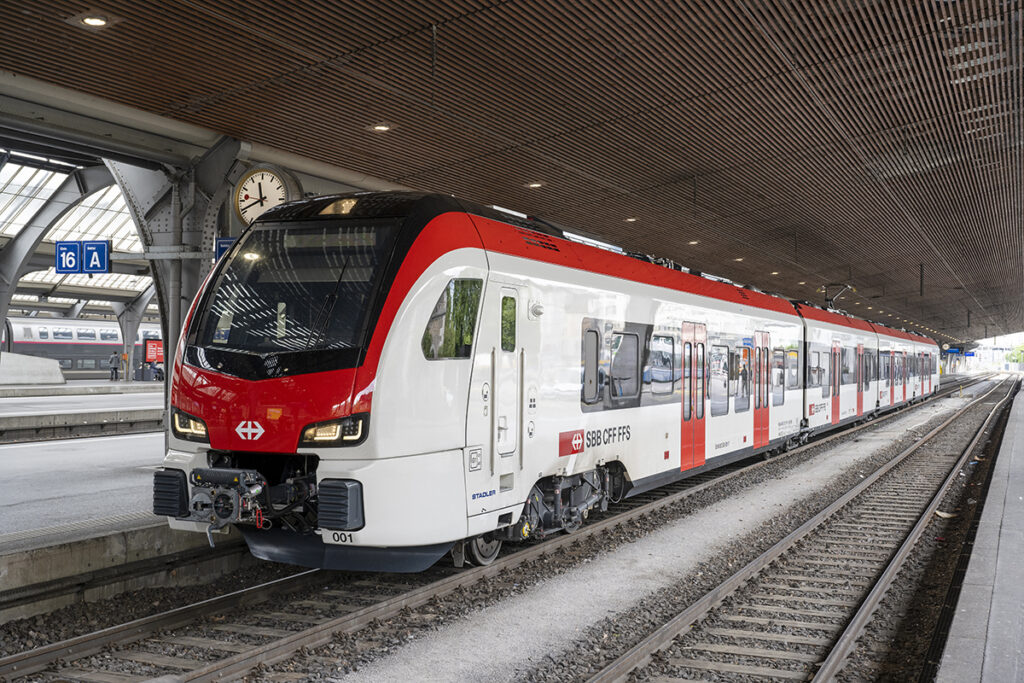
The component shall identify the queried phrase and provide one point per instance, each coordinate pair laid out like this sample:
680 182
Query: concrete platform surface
79 403
83 387
986 639
76 487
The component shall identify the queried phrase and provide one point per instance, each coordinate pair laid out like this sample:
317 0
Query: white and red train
370 381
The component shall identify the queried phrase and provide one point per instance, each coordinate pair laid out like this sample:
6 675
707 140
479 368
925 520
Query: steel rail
855 628
38 659
640 654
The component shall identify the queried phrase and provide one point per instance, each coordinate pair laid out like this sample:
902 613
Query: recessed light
693 242
631 219
534 185
738 259
801 283
775 272
382 127
856 303
871 308
94 20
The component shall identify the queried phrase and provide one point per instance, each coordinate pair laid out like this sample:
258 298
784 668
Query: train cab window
625 366
108 335
508 323
698 366
87 333
591 344
778 377
62 333
744 373
660 372
792 370
718 386
44 333
450 328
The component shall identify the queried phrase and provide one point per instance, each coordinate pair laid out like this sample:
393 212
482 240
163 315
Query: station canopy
27 183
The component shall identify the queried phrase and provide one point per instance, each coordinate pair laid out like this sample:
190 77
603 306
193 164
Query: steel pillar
128 317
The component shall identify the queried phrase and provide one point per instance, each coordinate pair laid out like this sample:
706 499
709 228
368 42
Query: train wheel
482 550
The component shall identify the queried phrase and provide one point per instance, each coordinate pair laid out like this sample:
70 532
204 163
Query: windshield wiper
319 327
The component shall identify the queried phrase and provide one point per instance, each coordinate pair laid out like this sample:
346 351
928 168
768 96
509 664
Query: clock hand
249 206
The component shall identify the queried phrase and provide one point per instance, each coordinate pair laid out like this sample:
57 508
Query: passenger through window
744 376
778 377
718 387
625 365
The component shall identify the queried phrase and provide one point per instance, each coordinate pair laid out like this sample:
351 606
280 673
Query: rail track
227 636
797 611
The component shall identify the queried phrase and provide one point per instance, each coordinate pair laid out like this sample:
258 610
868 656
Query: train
374 381
80 346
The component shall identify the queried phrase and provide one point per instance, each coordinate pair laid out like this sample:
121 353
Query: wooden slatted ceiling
827 140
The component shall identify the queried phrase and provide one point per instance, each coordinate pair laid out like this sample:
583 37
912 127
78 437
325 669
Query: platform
986 639
81 387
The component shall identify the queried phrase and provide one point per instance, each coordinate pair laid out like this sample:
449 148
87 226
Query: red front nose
266 415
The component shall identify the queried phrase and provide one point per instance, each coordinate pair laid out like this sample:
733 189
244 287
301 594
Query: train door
926 368
892 377
761 384
834 378
860 380
694 377
904 373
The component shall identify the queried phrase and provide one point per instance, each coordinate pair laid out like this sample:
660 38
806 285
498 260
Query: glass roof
24 189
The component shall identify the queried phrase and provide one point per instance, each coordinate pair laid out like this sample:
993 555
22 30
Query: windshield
295 287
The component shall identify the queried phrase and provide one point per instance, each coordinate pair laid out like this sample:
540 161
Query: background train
371 381
81 346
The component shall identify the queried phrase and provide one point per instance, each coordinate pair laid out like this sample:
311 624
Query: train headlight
188 427
348 431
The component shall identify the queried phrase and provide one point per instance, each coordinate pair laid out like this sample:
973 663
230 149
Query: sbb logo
570 443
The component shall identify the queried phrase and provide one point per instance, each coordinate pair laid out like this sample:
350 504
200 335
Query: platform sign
953 350
154 351
69 258
96 256
223 244
969 353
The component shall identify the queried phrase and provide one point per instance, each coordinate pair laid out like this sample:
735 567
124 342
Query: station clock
261 188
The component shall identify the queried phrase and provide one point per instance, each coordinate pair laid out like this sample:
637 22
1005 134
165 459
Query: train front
273 382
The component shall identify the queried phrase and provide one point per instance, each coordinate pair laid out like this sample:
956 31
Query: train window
778 377
766 360
65 364
62 333
625 367
687 367
44 333
660 370
757 377
734 372
591 343
155 334
86 333
699 367
108 335
26 331
718 387
742 401
508 323
813 369
86 363
827 372
792 370
849 361
450 328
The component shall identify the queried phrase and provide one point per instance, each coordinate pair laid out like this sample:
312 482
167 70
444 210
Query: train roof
834 317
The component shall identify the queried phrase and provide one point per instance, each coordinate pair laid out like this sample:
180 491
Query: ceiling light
94 20
631 219
856 303
775 272
534 185
870 308
381 127
693 242
801 283
738 259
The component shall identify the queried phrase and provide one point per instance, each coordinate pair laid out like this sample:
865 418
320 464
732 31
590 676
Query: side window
687 372
778 377
591 343
744 377
62 333
26 331
660 372
108 335
719 385
698 364
625 366
449 331
87 363
86 333
827 370
792 370
849 358
508 323
44 333
813 369
65 364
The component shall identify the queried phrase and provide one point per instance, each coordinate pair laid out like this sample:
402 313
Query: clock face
259 190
